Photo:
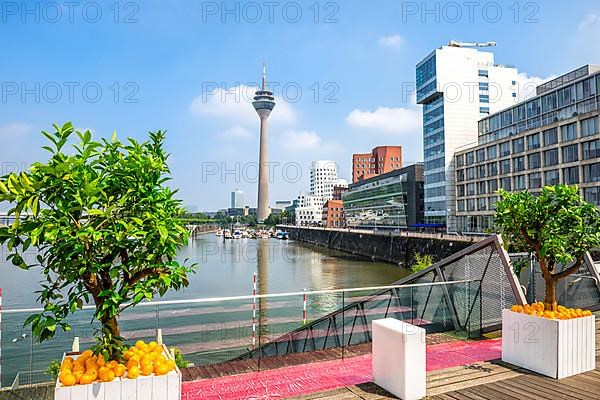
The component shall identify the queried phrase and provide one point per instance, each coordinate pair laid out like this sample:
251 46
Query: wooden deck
240 367
494 380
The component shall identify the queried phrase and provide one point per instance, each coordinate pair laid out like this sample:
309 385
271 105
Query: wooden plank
535 390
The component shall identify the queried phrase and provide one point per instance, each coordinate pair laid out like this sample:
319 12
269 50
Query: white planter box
399 358
152 387
551 347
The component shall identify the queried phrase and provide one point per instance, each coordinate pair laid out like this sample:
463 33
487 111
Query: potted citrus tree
107 229
559 228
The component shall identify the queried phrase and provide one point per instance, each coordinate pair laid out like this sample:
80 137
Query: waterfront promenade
453 374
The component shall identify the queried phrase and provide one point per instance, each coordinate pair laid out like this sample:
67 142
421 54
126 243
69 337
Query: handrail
251 297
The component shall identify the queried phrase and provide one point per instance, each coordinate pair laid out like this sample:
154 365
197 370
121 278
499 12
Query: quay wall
393 248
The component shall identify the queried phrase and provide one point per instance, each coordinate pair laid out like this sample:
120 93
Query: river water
224 268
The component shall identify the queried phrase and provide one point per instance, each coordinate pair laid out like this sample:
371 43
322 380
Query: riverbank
382 246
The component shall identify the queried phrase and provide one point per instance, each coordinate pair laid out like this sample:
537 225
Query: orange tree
105 226
557 226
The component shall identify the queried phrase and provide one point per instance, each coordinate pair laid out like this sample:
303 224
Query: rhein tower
263 103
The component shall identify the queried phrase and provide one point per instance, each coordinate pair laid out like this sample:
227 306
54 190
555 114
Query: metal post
304 307
343 323
254 312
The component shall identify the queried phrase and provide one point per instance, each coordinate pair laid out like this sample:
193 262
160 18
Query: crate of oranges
147 371
538 309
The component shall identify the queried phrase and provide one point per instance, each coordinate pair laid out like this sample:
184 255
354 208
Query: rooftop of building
392 173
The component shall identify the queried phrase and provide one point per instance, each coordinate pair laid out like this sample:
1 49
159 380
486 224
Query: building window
592 195
535 180
484 98
470 173
481 171
505 167
492 169
483 72
492 200
551 178
534 161
589 126
505 184
470 204
470 189
493 185
481 188
518 145
482 204
470 158
491 152
550 137
551 157
460 189
570 153
533 141
518 164
484 110
591 172
480 155
571 175
519 182
568 132
461 205
591 149
504 149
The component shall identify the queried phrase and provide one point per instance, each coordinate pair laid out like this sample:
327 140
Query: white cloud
300 140
235 105
393 41
237 132
384 119
589 22
527 85
15 129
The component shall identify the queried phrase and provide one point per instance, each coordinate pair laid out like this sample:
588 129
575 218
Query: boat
219 232
227 234
237 234
282 235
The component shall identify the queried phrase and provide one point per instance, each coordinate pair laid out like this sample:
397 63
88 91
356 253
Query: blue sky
185 66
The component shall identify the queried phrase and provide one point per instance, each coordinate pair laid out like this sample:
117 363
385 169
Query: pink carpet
317 377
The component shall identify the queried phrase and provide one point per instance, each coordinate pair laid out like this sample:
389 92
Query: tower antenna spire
264 77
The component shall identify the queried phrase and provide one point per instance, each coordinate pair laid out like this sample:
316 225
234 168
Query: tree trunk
550 300
111 325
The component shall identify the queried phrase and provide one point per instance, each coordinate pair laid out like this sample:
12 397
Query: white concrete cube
551 347
152 387
399 358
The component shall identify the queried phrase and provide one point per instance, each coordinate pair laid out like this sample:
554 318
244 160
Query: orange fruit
133 372
93 373
120 370
135 357
78 375
147 369
87 353
147 358
68 380
101 361
107 376
128 354
102 371
79 368
161 369
65 372
112 364
170 364
86 379
140 344
132 363
587 313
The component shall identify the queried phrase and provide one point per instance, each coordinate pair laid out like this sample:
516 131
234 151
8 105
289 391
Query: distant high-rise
263 103
457 86
237 199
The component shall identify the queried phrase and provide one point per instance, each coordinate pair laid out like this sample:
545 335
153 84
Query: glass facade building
392 200
549 139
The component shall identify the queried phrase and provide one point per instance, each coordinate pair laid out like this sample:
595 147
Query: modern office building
457 86
549 139
338 191
380 160
237 199
323 178
393 200
333 214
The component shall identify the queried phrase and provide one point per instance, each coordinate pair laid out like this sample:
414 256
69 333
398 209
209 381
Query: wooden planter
551 347
151 387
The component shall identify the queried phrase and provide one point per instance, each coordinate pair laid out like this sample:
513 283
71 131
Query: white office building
323 178
457 86
237 199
